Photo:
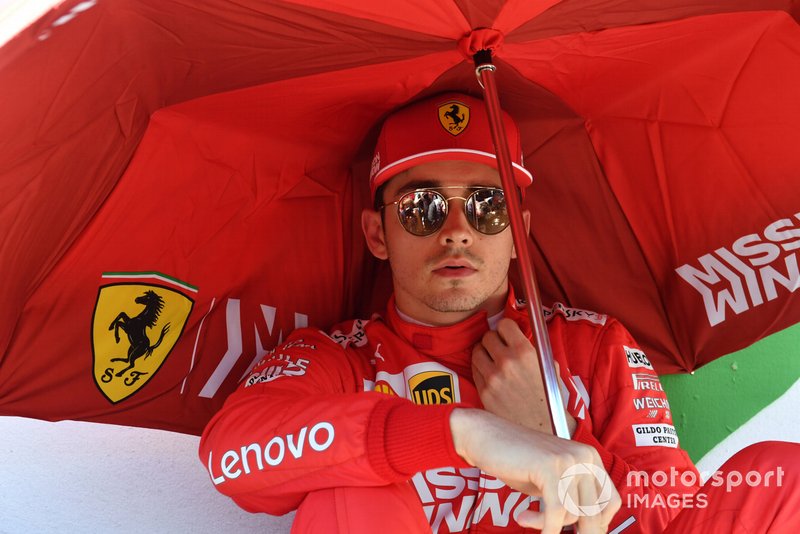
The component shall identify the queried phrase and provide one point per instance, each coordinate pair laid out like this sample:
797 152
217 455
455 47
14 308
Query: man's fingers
508 343
590 520
510 333
492 343
554 514
482 360
572 510
477 375
614 504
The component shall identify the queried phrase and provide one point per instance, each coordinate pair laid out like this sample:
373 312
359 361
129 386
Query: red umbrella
214 154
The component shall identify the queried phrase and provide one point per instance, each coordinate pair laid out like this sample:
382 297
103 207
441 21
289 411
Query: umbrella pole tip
482 57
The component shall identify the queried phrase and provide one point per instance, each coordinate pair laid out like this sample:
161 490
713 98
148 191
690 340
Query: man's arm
501 364
300 423
533 462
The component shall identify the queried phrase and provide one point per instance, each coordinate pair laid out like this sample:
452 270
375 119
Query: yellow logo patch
431 387
135 327
454 116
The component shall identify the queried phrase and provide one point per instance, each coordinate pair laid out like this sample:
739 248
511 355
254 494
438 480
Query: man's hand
533 463
505 368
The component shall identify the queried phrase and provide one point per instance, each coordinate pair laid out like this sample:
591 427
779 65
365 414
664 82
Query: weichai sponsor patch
431 387
134 329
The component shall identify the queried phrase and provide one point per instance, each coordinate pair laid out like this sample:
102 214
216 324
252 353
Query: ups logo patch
134 329
431 387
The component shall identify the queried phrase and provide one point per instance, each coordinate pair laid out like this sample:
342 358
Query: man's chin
454 300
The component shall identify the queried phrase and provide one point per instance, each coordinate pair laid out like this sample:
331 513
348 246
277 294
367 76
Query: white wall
85 477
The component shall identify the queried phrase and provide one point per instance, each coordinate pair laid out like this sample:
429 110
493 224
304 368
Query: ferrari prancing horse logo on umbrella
134 329
454 116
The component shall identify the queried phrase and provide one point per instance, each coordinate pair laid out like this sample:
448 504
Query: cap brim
522 176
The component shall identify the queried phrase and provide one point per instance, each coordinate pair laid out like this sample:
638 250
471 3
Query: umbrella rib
666 316
739 74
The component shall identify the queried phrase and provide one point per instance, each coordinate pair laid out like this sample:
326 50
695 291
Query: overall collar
453 341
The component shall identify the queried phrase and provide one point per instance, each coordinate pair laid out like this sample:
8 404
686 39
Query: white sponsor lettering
233 326
655 435
256 453
356 337
273 452
277 366
296 448
455 499
278 458
650 402
572 314
500 513
646 381
455 522
229 460
579 402
314 442
755 267
636 358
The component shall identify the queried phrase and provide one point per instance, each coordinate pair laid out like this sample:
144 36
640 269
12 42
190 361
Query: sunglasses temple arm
485 70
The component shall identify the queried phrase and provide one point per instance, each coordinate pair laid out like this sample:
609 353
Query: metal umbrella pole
485 70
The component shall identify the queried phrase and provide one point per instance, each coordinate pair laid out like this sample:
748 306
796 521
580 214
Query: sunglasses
422 212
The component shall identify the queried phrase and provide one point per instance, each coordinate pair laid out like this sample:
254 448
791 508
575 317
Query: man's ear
372 226
526 217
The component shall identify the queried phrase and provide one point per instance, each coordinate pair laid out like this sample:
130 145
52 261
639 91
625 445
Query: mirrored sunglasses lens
422 212
486 210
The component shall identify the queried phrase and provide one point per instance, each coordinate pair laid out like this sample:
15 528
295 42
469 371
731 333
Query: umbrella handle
485 70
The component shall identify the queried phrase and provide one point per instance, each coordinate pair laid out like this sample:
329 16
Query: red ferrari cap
450 126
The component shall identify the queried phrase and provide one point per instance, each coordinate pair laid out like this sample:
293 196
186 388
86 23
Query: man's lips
454 269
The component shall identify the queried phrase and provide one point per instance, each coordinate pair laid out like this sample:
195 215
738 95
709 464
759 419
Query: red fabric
716 509
332 378
756 491
661 135
406 455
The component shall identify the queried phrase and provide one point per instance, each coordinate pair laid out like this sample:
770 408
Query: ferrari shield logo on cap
454 116
134 329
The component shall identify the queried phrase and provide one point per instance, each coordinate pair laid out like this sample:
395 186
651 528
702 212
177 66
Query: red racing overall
352 427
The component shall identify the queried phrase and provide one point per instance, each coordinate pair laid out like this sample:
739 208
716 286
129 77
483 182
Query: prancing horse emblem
454 117
151 318
136 328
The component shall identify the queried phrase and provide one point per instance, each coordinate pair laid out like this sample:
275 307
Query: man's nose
456 229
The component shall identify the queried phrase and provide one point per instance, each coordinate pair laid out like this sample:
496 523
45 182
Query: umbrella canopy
181 182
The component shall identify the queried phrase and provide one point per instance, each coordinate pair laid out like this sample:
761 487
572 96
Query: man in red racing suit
433 417
332 411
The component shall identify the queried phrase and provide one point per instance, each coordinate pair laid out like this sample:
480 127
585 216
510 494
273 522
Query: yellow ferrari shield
134 329
454 116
